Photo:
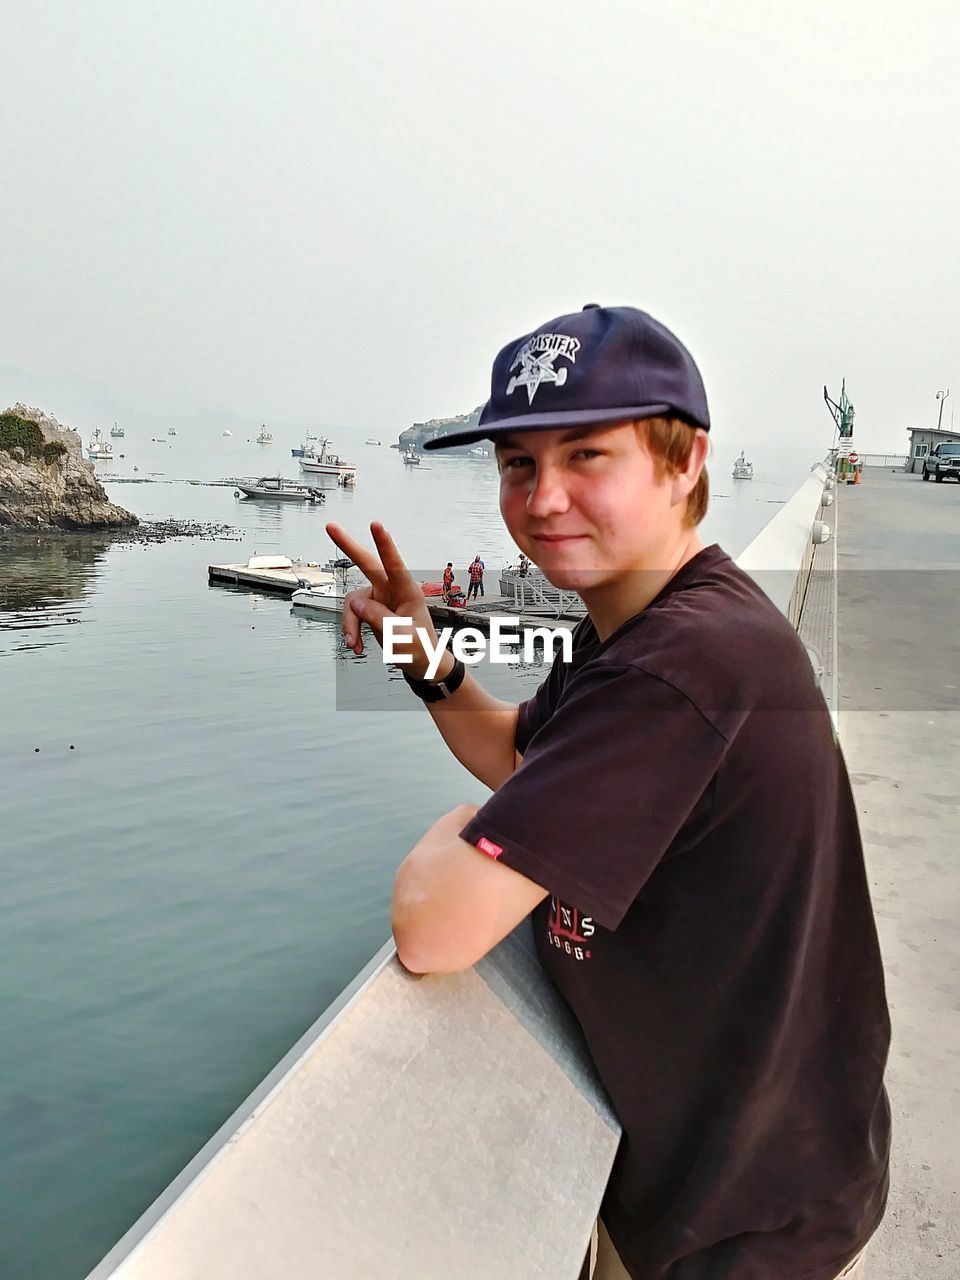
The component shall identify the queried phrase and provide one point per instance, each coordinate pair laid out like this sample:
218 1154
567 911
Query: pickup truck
943 462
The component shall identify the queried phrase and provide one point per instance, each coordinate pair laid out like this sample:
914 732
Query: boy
673 809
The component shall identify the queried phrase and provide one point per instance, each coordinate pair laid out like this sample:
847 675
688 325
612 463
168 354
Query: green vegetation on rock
17 432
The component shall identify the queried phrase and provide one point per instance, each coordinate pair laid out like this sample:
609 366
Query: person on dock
476 577
447 581
673 812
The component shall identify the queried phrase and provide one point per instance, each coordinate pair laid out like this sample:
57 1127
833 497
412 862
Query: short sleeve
606 784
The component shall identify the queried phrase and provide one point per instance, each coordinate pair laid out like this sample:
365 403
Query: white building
922 440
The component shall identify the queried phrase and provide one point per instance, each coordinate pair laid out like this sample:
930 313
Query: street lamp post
941 396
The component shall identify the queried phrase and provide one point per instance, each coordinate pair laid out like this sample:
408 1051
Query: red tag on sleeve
489 848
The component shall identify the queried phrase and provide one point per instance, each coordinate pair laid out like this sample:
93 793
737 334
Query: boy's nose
548 494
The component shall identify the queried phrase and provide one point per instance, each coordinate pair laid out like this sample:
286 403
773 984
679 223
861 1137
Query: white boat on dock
98 448
278 487
328 597
742 469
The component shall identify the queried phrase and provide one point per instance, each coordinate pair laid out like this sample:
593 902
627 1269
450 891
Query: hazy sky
337 213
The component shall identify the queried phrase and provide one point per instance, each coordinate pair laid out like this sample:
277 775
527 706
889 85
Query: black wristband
437 690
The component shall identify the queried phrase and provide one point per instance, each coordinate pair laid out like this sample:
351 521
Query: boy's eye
518 461
587 453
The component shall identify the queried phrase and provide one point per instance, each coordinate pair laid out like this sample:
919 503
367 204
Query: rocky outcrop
45 481
420 432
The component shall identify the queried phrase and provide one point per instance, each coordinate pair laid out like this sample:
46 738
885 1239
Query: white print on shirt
568 930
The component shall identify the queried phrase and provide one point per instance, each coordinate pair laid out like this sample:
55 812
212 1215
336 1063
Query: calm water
197 846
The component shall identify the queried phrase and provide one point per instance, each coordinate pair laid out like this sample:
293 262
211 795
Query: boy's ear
684 482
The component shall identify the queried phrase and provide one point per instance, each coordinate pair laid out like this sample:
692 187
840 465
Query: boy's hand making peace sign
393 592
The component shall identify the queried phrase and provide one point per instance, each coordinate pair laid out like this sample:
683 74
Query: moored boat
117 432
324 462
263 435
98 448
328 597
742 469
278 487
411 458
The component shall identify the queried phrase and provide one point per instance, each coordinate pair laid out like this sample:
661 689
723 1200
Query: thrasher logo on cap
536 359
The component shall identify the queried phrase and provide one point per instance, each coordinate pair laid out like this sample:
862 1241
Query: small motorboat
370 440
98 448
742 469
328 597
226 433
278 487
410 458
263 435
117 432
171 431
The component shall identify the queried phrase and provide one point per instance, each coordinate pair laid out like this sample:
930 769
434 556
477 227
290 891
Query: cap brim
548 422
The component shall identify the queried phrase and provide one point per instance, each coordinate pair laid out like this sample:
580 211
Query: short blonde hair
669 441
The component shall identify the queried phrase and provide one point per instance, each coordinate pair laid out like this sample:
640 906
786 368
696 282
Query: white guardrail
433 1127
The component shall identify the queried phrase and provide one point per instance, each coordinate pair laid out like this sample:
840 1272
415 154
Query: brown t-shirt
683 799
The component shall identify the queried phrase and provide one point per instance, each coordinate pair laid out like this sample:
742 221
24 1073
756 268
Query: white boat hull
327 468
303 494
318 468
321 599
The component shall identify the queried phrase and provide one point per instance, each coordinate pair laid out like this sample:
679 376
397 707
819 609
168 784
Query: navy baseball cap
598 365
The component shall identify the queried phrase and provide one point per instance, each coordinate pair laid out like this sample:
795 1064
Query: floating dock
286 581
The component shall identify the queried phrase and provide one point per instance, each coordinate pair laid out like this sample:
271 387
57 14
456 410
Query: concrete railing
780 556
423 1127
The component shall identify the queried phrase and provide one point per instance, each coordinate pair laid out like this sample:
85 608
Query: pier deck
285 581
899 714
